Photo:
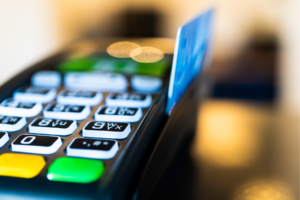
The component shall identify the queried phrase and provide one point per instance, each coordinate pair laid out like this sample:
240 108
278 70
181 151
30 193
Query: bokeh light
122 49
147 54
264 190
227 134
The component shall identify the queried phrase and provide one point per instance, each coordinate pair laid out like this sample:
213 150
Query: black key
93 148
113 130
36 144
62 111
129 100
53 126
3 138
118 114
11 123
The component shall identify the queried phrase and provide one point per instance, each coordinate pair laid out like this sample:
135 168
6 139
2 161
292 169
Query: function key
113 130
21 165
38 144
79 97
77 170
118 114
52 126
93 148
129 100
19 108
46 79
62 111
3 138
146 83
34 94
96 81
11 123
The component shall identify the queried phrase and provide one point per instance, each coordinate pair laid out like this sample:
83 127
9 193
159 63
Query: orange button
21 165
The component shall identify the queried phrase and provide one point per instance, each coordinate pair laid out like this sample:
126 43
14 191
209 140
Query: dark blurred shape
179 181
250 76
138 23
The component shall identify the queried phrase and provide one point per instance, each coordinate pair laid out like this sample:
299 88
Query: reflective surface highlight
121 49
147 54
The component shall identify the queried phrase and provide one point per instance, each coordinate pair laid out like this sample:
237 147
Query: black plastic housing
140 162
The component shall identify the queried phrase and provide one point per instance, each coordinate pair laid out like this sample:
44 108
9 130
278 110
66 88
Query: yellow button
21 165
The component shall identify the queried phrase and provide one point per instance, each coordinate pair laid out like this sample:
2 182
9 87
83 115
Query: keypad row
69 113
45 145
68 169
96 81
47 126
11 107
81 97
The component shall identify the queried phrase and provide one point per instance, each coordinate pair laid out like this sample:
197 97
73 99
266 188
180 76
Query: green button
78 170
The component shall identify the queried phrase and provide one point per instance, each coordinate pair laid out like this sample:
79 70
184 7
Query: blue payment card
191 50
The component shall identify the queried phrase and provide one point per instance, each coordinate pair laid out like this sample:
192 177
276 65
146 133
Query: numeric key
11 123
113 130
36 144
3 138
146 83
118 114
79 97
129 100
34 94
96 81
93 148
46 79
52 126
62 111
14 107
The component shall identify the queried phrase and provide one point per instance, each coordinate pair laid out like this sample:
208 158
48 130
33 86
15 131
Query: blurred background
247 142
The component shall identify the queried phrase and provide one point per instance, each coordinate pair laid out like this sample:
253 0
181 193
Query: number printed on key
118 111
113 130
128 96
118 114
79 97
62 111
66 108
53 126
14 107
79 93
36 144
17 104
129 100
9 120
35 94
52 123
107 126
11 123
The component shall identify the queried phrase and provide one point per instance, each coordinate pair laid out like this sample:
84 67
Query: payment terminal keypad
70 131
